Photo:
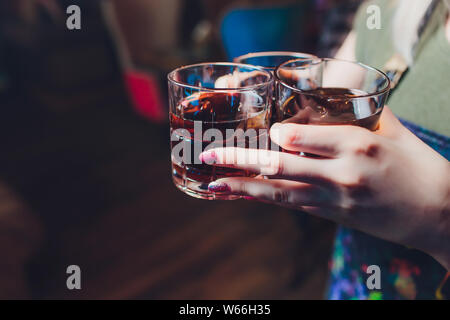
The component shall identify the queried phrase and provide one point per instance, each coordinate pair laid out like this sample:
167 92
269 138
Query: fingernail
250 198
219 187
208 156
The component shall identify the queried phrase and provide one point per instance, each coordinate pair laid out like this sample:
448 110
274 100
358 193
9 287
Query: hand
388 184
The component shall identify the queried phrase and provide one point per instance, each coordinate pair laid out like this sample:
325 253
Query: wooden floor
163 245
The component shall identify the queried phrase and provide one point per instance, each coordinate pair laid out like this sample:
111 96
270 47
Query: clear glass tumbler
269 60
331 92
215 105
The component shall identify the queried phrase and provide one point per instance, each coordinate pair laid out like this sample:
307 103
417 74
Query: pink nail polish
219 187
208 157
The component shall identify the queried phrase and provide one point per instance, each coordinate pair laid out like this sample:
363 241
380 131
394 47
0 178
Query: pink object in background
145 94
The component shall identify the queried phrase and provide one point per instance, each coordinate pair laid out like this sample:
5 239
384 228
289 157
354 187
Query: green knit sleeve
374 46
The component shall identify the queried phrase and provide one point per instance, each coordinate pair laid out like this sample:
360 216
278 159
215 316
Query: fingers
326 141
272 163
311 199
281 192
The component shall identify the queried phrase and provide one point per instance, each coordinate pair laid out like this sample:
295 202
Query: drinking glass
331 92
215 105
269 60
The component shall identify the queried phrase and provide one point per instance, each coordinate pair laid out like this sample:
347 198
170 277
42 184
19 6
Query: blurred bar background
85 163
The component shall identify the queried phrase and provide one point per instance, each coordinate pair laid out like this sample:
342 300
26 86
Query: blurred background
85 162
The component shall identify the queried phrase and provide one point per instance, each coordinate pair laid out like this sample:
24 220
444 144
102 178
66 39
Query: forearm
347 50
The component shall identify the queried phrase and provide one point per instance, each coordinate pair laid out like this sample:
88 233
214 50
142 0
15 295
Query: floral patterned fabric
405 273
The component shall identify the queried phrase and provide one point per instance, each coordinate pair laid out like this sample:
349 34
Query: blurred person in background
390 185
335 19
49 77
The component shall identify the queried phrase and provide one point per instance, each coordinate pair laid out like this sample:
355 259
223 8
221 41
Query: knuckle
280 195
279 167
276 167
242 187
367 147
352 178
355 189
354 183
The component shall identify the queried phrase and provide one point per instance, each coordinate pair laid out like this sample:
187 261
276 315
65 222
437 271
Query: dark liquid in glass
332 106
222 111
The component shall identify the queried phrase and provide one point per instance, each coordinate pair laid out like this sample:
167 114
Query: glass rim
170 76
321 60
259 54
